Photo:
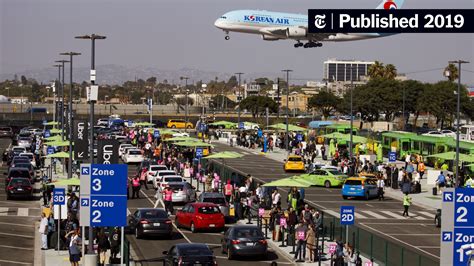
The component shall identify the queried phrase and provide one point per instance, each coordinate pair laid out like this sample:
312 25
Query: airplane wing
294 33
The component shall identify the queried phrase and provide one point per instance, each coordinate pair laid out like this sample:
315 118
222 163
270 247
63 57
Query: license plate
249 244
20 189
353 189
156 224
212 225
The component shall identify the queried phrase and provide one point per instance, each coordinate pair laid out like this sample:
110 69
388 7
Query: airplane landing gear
312 44
227 37
298 44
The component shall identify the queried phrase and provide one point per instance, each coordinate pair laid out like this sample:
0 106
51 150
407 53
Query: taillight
235 242
29 188
263 241
180 261
9 188
168 222
144 222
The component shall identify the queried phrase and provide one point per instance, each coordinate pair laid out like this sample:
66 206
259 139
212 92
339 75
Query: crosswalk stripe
333 213
3 211
418 217
22 211
393 214
427 214
360 216
376 215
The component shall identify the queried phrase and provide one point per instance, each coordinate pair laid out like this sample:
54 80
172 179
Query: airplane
274 26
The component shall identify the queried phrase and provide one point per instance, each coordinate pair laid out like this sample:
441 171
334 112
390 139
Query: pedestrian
103 246
441 181
311 242
136 187
43 229
143 178
339 261
73 205
74 247
300 231
406 204
276 198
380 188
350 256
114 240
168 200
228 190
468 183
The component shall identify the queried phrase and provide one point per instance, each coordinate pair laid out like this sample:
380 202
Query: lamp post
458 107
287 106
55 90
352 113
186 107
239 98
71 131
92 37
62 96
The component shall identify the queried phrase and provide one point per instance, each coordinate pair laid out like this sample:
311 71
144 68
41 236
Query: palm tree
390 72
376 70
451 72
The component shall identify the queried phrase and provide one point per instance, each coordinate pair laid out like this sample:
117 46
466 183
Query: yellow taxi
179 123
294 163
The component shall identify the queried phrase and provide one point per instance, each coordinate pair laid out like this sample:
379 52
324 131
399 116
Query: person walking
114 239
380 188
168 200
143 178
311 242
276 198
300 231
441 181
103 247
74 247
406 204
136 187
228 190
43 229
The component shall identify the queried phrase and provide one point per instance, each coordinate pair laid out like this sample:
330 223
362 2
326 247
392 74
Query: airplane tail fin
391 4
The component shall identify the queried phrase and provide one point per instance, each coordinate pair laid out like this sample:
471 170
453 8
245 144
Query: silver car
24 142
216 198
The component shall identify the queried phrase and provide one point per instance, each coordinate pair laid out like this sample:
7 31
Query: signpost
107 151
156 133
347 218
104 196
199 153
299 137
457 228
47 133
241 125
81 142
59 198
392 156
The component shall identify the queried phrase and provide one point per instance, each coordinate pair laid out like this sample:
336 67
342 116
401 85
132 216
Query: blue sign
50 150
241 125
47 133
130 123
347 215
156 133
299 137
84 202
108 179
202 127
461 237
108 210
463 201
259 133
448 196
392 157
199 152
59 196
447 236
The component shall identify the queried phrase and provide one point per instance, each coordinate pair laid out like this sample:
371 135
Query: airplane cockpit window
224 17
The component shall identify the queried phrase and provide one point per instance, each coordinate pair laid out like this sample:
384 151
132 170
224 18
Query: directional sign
108 210
463 201
81 140
241 125
392 157
59 196
448 196
108 179
299 137
347 215
107 151
447 237
156 133
50 150
199 152
47 133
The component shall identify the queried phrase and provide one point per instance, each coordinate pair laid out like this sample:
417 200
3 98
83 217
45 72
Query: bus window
416 145
405 146
440 149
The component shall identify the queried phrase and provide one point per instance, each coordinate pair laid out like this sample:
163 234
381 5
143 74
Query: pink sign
301 235
369 263
283 222
332 249
261 211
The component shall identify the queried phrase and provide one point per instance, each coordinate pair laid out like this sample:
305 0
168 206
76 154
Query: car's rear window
23 165
208 210
247 232
195 251
294 159
25 138
173 179
29 156
166 173
5 129
154 214
134 153
353 182
157 168
334 172
20 182
176 186
18 149
19 173
215 200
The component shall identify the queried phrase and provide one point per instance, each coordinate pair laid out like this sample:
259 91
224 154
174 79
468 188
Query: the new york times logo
391 21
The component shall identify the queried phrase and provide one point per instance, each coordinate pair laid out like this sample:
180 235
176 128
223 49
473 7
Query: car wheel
327 184
9 197
188 127
344 197
173 126
138 235
230 256
193 228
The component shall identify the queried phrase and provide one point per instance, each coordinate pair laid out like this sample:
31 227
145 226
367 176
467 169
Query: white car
124 152
168 179
180 134
122 148
153 169
250 126
133 156
19 149
448 133
30 156
441 133
160 174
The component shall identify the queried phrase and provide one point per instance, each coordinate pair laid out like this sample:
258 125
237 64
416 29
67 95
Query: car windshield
23 165
247 232
25 138
29 156
173 179
134 152
353 182
154 214
334 172
20 182
216 200
19 173
294 159
18 149
166 173
195 251
208 210
157 167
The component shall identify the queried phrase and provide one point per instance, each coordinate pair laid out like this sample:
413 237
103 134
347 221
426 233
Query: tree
219 101
164 97
378 70
258 104
325 102
415 101
390 72
151 81
452 71
24 81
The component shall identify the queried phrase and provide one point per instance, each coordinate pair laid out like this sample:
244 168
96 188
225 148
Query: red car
199 216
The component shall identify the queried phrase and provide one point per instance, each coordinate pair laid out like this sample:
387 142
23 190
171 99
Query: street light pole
352 115
186 107
239 98
458 107
56 90
91 37
287 106
62 97
71 133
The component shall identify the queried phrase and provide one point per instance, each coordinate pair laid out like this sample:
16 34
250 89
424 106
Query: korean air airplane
274 26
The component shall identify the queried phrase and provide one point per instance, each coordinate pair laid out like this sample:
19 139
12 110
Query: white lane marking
333 213
24 236
360 216
17 224
417 217
398 240
370 205
3 211
16 262
22 212
393 214
398 224
373 214
13 247
414 234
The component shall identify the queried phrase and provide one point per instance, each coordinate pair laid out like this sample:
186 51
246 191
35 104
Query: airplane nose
218 23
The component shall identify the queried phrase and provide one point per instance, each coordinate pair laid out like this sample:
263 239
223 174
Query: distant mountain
117 74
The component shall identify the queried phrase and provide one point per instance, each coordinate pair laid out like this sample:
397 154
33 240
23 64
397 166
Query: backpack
358 261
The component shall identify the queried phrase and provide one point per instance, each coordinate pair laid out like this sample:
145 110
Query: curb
38 257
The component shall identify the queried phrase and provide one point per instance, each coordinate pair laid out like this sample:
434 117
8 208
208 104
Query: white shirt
380 183
259 193
416 177
400 175
407 158
276 198
43 225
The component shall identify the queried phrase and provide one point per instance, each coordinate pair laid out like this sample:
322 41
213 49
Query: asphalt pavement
18 220
148 249
383 218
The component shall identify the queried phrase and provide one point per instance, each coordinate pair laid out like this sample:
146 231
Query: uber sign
81 140
107 152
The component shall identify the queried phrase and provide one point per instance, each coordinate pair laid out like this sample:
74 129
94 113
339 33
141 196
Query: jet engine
266 37
295 32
